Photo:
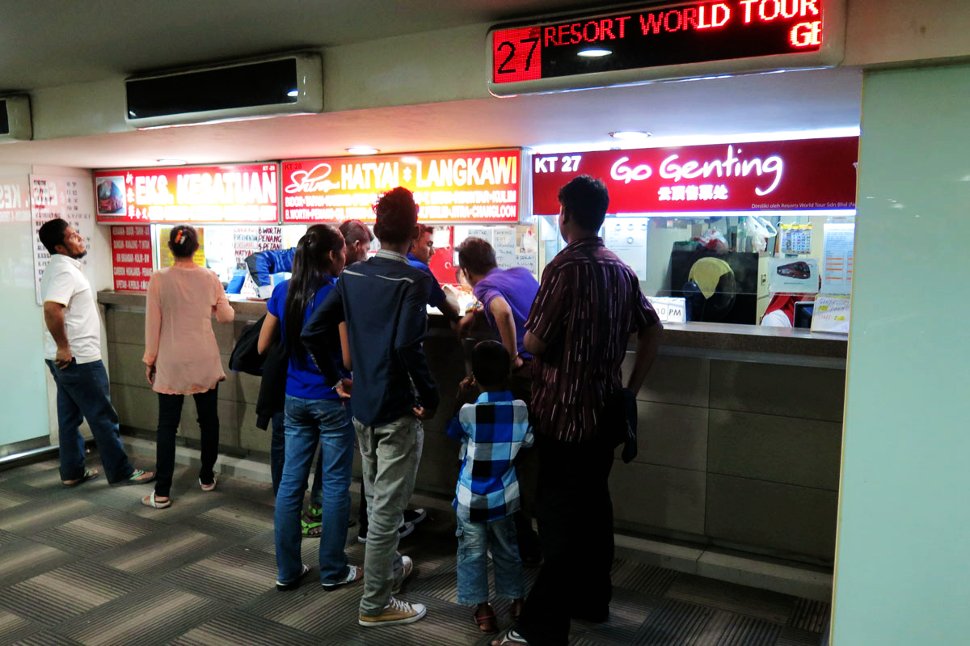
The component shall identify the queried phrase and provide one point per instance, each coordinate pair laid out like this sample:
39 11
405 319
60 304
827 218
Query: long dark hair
311 266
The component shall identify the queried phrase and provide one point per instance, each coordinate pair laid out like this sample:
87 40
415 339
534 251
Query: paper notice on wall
627 238
526 247
69 198
131 257
505 246
793 276
837 254
831 314
248 240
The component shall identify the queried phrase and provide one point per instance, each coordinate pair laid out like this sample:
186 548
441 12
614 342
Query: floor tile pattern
92 566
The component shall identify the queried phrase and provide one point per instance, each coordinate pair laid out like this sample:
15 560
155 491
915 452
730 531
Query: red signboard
681 38
802 175
131 257
475 186
227 193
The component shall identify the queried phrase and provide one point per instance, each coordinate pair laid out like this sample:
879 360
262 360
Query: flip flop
89 474
137 477
312 524
149 501
510 637
209 487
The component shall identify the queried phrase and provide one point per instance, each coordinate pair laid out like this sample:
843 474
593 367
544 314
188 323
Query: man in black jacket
383 300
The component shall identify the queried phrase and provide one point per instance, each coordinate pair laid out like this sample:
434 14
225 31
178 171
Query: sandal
312 522
485 618
509 638
208 487
151 501
89 474
138 476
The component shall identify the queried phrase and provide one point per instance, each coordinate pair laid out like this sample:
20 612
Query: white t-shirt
64 283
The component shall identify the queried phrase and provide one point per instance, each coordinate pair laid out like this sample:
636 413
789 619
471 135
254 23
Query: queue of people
352 329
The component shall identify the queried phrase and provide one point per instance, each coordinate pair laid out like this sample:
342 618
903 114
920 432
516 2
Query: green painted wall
902 572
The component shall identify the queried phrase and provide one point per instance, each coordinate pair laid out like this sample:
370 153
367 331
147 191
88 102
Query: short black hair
424 228
183 241
52 233
396 216
354 231
476 256
491 364
585 200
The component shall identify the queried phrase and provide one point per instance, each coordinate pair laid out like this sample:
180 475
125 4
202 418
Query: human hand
150 373
344 388
63 357
423 413
467 387
464 324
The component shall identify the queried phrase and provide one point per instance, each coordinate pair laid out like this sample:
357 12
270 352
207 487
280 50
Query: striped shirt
589 302
491 432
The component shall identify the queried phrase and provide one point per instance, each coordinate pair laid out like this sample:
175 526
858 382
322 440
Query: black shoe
404 530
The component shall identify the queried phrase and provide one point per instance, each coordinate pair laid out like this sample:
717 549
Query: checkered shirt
491 432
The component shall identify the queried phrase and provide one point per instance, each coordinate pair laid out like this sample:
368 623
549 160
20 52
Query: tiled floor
93 566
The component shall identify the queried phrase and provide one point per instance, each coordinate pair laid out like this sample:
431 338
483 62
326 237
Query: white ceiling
52 42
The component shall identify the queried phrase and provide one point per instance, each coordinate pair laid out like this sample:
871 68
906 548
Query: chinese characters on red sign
229 193
131 257
479 186
808 174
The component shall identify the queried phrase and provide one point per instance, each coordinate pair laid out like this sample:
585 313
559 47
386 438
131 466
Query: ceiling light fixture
594 52
293 93
631 135
362 150
170 161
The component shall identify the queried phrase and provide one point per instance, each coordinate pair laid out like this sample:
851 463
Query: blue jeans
82 391
309 422
277 458
474 541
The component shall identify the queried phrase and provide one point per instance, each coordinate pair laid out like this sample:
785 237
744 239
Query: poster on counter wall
800 175
131 257
838 257
451 187
248 240
165 257
68 198
188 194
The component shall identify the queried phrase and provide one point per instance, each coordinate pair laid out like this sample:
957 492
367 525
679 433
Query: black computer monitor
803 313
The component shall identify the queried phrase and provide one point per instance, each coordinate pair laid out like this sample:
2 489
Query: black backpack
245 357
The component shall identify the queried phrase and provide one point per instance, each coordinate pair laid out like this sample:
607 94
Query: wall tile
125 365
674 380
125 327
656 496
790 391
795 521
137 406
672 435
780 449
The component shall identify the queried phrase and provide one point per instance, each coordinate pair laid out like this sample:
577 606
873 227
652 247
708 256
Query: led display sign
239 193
800 175
449 187
666 41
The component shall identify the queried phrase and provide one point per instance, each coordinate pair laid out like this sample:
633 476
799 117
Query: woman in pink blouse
182 357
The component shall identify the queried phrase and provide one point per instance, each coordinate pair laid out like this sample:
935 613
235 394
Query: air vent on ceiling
276 85
15 118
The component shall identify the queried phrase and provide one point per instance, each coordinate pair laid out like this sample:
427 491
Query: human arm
546 318
222 309
345 345
449 307
501 313
267 333
153 327
54 320
263 264
319 331
408 345
648 338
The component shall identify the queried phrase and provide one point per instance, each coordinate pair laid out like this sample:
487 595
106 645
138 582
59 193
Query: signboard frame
513 42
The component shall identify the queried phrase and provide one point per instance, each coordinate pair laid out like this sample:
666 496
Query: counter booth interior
740 423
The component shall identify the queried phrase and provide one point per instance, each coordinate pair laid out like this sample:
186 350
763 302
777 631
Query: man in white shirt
73 355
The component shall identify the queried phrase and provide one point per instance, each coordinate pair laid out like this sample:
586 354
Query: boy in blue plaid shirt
491 430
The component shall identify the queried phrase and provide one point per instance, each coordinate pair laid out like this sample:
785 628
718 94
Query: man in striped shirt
589 302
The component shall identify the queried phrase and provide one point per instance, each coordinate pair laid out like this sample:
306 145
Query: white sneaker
407 568
395 612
